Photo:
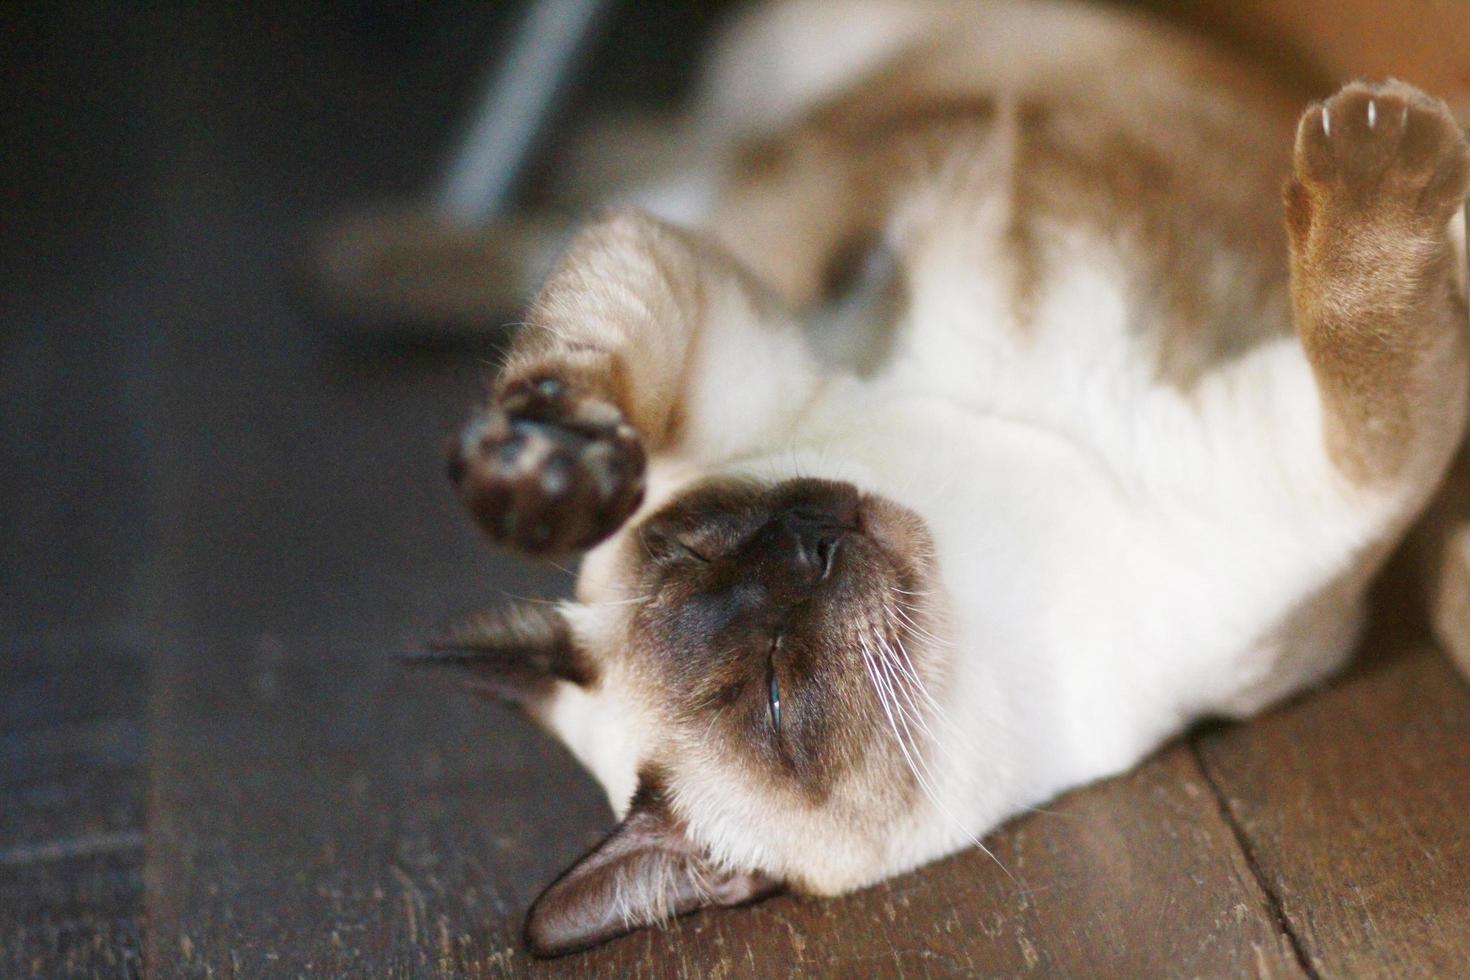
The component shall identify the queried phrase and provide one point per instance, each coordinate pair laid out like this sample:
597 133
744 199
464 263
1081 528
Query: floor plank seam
1273 901
88 845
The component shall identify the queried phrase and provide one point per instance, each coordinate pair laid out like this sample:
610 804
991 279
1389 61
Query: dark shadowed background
223 510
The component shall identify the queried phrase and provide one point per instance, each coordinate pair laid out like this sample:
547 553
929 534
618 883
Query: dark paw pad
547 469
1383 148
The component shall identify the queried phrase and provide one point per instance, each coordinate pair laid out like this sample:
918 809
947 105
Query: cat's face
752 664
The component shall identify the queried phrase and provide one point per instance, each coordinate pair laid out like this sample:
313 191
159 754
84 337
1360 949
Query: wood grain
1355 806
1138 876
72 781
73 674
314 810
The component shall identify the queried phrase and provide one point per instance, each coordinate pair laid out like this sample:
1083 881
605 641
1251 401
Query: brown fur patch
735 600
1116 159
1380 169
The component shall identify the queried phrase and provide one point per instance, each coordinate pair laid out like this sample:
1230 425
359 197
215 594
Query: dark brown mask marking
760 589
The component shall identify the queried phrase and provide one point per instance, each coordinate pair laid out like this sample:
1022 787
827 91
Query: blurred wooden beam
1426 42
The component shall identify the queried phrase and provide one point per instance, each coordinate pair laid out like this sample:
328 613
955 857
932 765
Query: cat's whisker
794 455
898 684
905 665
909 685
543 601
871 661
906 622
716 713
890 705
894 643
887 711
636 600
927 784
560 567
894 711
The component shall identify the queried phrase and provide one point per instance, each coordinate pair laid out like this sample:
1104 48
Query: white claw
1372 113
1404 118
553 482
1326 122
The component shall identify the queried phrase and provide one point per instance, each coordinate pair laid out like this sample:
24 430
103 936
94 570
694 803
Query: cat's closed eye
774 697
773 686
672 547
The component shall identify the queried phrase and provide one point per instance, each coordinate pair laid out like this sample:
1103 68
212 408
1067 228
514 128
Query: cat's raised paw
1386 147
548 469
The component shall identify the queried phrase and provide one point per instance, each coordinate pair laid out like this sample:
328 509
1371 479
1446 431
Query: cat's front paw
1380 149
546 468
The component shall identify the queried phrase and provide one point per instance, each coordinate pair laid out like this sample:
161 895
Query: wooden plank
452 838
72 491
1138 876
73 782
329 826
72 917
316 811
69 680
313 810
71 849
1355 806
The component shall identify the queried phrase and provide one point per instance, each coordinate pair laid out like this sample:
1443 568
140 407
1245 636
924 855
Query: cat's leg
645 340
1388 407
1320 449
1379 172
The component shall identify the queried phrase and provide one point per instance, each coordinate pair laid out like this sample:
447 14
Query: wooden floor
223 513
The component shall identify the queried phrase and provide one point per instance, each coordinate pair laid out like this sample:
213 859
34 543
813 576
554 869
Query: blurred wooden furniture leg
410 269
453 263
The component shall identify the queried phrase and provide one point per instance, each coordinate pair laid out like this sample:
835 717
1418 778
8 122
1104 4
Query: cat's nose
814 537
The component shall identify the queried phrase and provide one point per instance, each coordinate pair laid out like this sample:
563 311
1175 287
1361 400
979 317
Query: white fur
1120 557
1114 555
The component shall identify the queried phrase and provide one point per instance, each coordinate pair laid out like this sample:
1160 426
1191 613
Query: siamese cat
971 420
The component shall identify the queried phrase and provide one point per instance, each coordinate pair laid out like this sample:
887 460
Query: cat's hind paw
1383 148
547 469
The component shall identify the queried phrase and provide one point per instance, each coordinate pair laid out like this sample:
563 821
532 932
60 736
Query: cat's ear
646 871
516 654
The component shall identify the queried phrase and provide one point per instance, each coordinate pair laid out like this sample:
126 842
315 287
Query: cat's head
750 671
